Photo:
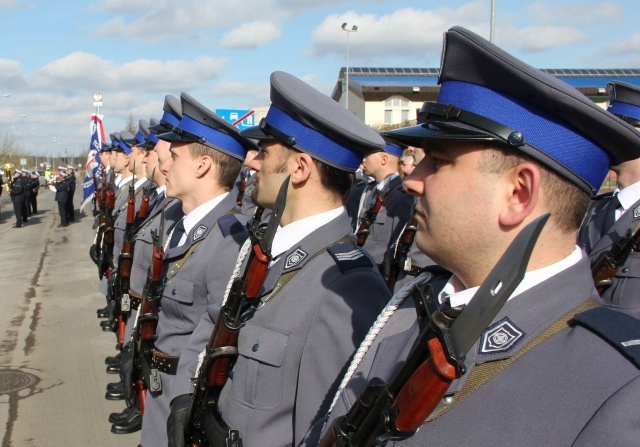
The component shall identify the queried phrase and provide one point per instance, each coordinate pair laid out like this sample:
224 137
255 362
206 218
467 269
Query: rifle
125 261
144 206
106 254
400 256
243 186
222 348
368 219
608 264
144 332
395 410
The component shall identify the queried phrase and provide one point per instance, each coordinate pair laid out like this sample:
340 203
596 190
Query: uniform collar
629 196
456 293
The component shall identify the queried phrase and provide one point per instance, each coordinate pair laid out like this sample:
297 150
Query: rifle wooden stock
608 264
424 390
243 186
368 219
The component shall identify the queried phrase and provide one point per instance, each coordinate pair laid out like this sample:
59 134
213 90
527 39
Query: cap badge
295 258
199 232
500 337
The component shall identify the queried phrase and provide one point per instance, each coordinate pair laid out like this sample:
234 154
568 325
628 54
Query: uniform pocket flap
262 344
179 290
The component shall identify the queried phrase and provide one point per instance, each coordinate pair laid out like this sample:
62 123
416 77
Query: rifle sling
126 202
481 374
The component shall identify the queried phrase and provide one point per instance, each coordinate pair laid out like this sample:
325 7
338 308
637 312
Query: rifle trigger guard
224 351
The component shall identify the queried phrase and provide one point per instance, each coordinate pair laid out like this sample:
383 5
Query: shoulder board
620 330
604 195
229 224
349 256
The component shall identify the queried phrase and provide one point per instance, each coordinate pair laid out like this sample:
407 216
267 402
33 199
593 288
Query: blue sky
55 54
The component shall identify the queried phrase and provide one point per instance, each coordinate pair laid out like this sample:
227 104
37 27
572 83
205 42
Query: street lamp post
353 29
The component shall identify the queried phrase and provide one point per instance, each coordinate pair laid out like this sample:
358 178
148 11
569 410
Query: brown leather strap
168 364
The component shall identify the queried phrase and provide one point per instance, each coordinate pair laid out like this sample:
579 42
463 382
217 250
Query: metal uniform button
174 291
255 347
625 270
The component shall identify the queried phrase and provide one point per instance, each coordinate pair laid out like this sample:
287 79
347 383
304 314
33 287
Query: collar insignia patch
295 258
500 337
199 232
636 212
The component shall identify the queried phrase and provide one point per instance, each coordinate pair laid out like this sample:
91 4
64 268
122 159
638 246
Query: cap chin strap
434 112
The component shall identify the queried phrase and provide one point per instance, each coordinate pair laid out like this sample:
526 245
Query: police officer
506 144
206 156
62 186
34 186
18 194
71 178
382 236
614 215
294 346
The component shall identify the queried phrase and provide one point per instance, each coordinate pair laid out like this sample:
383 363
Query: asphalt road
52 371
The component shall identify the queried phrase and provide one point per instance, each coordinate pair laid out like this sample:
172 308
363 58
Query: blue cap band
624 109
125 146
540 129
313 141
223 142
140 138
153 138
170 119
393 150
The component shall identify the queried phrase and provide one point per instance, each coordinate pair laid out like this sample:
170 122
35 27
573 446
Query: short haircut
568 204
335 180
228 166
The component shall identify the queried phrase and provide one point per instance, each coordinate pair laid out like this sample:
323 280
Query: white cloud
405 32
83 71
629 47
251 35
127 6
11 75
533 39
566 14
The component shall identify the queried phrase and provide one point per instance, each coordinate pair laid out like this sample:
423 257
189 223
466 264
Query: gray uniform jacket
573 389
294 348
391 219
198 287
143 252
624 293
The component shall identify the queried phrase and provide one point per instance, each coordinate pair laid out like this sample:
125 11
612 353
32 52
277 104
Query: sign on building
239 118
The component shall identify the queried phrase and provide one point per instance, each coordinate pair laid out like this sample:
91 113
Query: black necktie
178 231
610 218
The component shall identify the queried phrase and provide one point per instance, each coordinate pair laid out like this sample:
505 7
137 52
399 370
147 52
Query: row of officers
24 186
260 297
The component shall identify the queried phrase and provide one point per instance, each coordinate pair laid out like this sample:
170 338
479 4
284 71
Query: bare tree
132 125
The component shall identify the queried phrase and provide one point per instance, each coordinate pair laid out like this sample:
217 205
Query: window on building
396 110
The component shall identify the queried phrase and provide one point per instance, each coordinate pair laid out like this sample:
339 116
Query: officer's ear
520 187
302 169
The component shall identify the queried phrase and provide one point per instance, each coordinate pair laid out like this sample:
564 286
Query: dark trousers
17 208
69 210
62 210
33 204
25 210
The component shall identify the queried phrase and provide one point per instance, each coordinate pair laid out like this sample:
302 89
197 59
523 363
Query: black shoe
113 385
113 369
106 326
17 226
131 424
114 394
104 310
115 360
122 416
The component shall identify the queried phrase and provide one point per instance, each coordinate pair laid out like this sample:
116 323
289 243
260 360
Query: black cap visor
256 133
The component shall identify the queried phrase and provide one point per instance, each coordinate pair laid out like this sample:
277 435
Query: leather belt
135 300
168 364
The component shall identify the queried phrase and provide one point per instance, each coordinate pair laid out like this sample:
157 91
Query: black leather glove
177 420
